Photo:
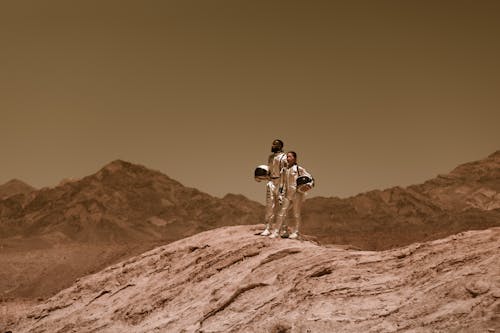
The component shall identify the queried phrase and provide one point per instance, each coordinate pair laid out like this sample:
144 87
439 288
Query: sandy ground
33 270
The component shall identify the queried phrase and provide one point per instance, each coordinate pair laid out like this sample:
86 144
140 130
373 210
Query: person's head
277 146
291 158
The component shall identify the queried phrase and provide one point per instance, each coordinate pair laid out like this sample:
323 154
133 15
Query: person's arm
282 181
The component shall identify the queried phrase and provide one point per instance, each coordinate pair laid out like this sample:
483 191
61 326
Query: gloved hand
280 198
306 187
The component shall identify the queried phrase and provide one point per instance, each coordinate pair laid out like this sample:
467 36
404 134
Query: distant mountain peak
123 168
233 196
15 181
13 187
117 165
495 154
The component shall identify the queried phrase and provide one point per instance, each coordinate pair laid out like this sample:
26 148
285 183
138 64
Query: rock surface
231 280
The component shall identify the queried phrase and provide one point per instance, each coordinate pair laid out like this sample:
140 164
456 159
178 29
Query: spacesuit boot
266 232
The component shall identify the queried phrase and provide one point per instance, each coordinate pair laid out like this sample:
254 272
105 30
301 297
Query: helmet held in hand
304 184
261 173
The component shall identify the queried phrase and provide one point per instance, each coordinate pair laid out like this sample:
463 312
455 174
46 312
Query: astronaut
296 182
276 164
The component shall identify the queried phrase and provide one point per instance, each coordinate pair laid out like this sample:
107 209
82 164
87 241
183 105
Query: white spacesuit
292 197
276 164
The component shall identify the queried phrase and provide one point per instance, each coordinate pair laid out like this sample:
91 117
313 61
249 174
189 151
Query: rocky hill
467 198
15 187
231 280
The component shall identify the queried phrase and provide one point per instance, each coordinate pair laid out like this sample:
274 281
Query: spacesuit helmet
304 184
261 173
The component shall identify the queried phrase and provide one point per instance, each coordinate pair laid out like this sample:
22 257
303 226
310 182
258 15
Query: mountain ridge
120 200
466 198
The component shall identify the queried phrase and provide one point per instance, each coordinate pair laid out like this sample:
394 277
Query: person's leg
271 199
297 206
284 226
285 206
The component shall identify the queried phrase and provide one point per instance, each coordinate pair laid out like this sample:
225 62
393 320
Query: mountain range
466 198
121 202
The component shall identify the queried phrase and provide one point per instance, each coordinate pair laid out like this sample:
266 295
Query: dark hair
280 142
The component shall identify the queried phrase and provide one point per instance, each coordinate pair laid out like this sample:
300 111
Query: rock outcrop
231 280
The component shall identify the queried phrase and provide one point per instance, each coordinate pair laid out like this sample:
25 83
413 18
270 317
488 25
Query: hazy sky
371 94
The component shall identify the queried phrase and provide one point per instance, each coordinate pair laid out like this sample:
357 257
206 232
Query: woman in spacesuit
296 182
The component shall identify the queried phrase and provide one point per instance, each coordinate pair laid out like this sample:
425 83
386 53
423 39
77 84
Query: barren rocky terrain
53 236
232 280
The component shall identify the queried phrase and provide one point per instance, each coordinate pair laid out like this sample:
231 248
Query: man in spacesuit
276 164
293 195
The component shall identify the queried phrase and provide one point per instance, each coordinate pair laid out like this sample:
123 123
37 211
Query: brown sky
371 94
